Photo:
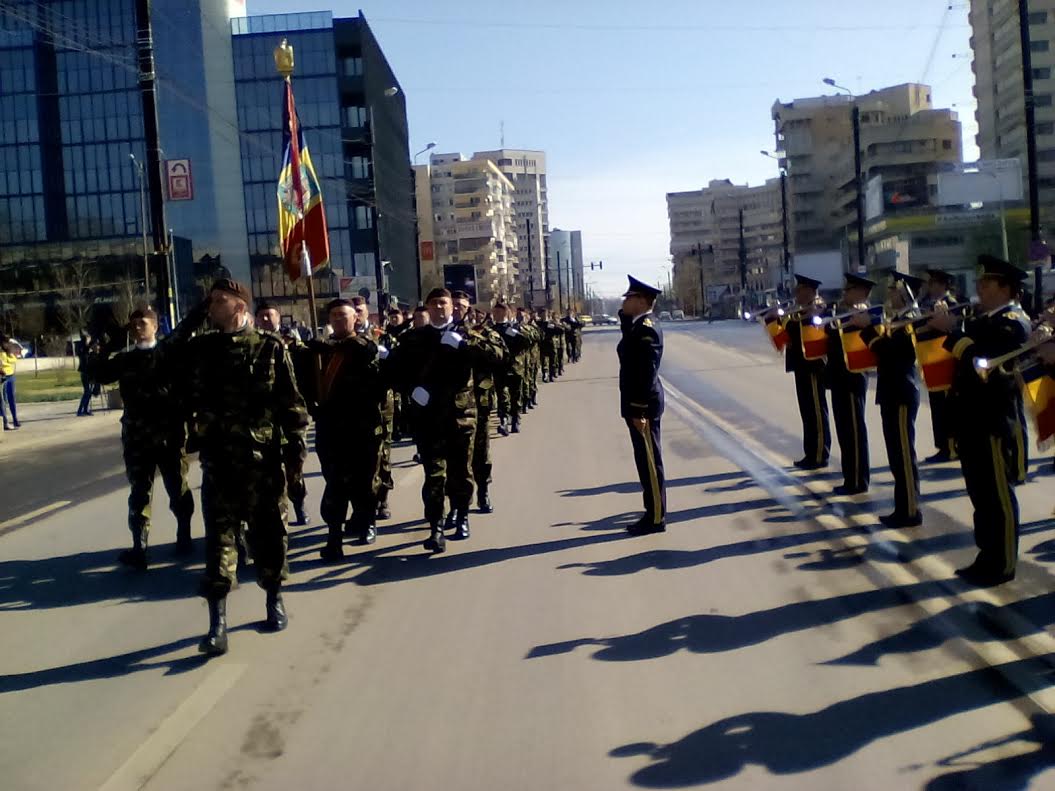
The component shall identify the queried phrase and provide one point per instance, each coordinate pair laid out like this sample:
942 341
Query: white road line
144 763
47 509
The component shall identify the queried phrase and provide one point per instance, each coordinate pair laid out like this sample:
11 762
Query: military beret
438 293
263 305
333 304
143 312
357 301
233 287
459 295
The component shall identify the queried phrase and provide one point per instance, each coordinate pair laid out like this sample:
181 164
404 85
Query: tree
73 286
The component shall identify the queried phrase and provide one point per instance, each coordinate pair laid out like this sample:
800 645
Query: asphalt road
774 637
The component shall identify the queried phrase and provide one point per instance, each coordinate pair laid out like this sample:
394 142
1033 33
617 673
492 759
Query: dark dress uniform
641 396
939 400
849 392
984 418
897 394
813 404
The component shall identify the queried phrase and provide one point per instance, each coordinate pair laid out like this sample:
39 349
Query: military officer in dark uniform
939 290
897 393
641 399
848 395
984 415
809 378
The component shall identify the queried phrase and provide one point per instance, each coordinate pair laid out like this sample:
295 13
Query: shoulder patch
647 322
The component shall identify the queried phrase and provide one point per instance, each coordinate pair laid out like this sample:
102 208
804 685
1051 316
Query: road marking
47 509
152 754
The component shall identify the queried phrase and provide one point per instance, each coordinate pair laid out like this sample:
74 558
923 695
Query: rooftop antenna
502 133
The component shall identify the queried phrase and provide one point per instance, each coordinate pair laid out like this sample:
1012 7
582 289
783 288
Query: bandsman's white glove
420 396
382 352
452 339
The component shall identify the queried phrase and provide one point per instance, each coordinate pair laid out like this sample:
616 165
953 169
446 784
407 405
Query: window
359 167
363 263
1046 128
1042 74
355 116
1038 17
364 217
1038 46
1046 156
352 67
946 145
1042 100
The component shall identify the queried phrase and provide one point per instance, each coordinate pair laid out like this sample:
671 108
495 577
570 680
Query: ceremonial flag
1038 389
936 363
302 232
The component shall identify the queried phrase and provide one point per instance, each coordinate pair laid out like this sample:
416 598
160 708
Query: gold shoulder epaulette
647 322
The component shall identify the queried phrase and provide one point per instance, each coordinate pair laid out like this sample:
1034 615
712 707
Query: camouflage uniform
387 483
529 396
348 408
244 396
573 337
548 332
489 353
513 375
294 452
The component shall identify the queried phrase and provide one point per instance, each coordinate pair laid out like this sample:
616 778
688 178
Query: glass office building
71 119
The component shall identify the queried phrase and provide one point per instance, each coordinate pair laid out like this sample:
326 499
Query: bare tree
73 285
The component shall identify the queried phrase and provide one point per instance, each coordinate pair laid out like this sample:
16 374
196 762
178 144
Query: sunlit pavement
774 637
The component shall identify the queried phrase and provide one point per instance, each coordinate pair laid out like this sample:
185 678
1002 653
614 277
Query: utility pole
703 289
148 91
855 117
1037 249
530 300
560 291
786 279
743 265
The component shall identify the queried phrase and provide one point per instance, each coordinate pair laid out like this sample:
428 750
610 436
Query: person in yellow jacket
10 351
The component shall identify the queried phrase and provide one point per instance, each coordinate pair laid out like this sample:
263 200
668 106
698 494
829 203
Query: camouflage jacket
243 395
422 360
489 355
518 343
351 393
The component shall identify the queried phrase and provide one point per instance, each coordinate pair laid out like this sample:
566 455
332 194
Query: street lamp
855 119
786 280
428 147
379 266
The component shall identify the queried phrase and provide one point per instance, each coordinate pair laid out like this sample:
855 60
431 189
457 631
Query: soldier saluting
641 400
244 398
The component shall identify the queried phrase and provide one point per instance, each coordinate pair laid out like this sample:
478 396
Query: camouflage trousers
293 457
249 490
387 484
512 390
549 363
146 455
446 454
351 462
482 448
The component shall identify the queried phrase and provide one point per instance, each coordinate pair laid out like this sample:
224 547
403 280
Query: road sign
180 181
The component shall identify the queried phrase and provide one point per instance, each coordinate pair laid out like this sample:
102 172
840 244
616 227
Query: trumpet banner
936 363
859 358
1038 389
814 341
777 333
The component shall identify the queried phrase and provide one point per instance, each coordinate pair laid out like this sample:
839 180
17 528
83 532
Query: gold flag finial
284 59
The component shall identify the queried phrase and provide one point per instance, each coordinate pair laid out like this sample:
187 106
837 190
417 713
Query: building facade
566 272
353 113
467 227
527 170
71 217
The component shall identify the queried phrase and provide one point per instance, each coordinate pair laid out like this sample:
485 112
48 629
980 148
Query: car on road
586 320
664 315
604 318
678 315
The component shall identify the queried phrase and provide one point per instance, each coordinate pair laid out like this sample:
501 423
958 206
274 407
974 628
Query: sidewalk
51 423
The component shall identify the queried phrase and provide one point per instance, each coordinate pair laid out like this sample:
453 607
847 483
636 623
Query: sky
631 101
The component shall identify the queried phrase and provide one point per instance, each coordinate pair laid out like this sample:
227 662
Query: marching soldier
573 336
511 388
434 363
244 398
983 416
367 329
848 395
489 354
548 332
393 330
526 324
939 290
349 428
641 400
294 453
153 429
809 384
897 394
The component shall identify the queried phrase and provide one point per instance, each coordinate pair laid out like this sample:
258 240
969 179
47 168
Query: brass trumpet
984 366
923 318
824 321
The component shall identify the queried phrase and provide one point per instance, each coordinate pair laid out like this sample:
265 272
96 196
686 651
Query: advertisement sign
428 251
179 180
460 277
991 181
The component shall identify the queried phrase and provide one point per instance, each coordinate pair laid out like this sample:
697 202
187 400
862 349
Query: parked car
586 320
604 318
664 315
678 315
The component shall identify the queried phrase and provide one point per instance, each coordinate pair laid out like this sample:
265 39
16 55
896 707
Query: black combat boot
483 501
215 642
303 517
136 557
436 542
276 619
452 519
516 425
503 427
334 549
461 524
383 511
367 534
184 545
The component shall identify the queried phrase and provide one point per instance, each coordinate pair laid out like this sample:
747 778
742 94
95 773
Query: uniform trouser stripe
906 460
1020 453
818 419
1004 496
653 475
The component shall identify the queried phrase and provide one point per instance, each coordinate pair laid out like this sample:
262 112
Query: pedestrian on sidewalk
641 400
10 351
85 348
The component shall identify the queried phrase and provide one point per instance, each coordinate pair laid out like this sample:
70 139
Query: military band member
984 415
939 285
365 326
153 425
641 400
849 391
897 394
244 398
809 379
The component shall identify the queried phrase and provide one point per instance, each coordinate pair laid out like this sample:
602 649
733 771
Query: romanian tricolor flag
302 233
777 332
936 363
814 340
858 357
1038 389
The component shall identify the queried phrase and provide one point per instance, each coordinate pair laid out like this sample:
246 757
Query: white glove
420 396
382 352
513 331
452 339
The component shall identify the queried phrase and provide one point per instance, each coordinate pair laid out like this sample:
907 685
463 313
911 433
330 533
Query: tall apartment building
467 227
527 170
903 139
71 113
705 228
566 269
354 117
997 66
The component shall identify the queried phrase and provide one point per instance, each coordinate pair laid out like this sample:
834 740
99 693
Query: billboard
460 277
991 181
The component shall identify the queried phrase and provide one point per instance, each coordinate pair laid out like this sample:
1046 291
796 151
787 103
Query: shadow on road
1008 773
633 487
785 744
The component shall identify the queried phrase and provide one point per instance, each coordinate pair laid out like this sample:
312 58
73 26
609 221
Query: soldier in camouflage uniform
396 327
244 399
489 352
526 324
573 335
551 333
435 364
294 453
512 374
349 427
153 429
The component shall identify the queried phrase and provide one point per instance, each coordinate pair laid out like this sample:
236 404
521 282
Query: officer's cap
992 266
808 282
641 289
940 275
230 286
915 283
143 312
853 280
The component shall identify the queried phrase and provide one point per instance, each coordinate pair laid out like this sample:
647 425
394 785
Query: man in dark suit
641 399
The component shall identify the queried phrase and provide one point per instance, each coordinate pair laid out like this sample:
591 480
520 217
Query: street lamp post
855 119
786 279
379 266
428 147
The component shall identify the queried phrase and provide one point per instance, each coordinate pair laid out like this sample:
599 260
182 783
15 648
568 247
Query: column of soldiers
978 419
240 391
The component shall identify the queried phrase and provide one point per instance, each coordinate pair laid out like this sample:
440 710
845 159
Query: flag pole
307 270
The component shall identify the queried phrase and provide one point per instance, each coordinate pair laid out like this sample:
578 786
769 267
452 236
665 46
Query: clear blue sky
634 100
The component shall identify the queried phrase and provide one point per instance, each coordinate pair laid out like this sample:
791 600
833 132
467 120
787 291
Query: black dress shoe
301 513
451 521
461 530
483 502
645 526
842 488
810 464
334 550
983 578
516 427
382 511
436 542
900 520
184 547
135 558
215 642
941 457
503 428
